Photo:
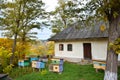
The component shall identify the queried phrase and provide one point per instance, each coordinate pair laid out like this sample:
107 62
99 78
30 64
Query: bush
20 71
8 69
4 60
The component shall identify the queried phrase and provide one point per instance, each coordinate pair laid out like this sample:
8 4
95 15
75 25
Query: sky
45 33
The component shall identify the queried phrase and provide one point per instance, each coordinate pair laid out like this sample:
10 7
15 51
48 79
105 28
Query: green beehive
57 61
26 63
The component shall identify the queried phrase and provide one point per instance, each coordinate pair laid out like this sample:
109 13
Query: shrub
4 57
8 69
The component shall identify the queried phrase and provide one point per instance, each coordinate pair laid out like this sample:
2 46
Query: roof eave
78 39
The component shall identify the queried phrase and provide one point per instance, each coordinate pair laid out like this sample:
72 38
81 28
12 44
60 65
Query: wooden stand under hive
56 65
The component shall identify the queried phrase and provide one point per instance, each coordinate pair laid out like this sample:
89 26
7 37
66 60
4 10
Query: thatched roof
73 33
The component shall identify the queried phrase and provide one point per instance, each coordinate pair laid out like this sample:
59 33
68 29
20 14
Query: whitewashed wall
98 48
77 51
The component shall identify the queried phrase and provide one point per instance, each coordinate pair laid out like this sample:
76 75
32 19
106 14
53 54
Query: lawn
71 72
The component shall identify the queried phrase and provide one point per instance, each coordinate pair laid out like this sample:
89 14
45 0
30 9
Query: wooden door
87 51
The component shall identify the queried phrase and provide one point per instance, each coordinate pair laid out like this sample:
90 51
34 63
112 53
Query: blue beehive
61 68
40 65
34 59
19 63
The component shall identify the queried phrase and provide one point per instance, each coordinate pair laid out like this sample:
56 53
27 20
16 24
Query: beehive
40 65
99 65
20 62
57 68
57 61
34 59
45 60
34 64
23 63
56 65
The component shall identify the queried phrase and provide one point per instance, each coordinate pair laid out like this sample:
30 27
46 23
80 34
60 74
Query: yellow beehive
99 65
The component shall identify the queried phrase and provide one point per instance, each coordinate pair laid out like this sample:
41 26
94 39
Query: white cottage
76 44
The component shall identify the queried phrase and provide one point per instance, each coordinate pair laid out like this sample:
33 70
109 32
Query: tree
50 48
65 14
108 10
19 17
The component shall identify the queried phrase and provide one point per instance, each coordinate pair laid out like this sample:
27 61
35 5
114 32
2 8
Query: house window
61 47
69 47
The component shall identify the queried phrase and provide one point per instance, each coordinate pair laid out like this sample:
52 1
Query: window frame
61 47
69 47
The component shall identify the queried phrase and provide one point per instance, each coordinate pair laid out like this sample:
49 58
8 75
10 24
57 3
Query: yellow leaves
50 46
4 56
110 45
102 28
105 19
115 46
50 52
8 68
118 52
6 43
9 55
22 49
43 49
4 53
115 14
39 50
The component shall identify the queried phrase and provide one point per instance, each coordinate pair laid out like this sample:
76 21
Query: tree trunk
13 49
112 57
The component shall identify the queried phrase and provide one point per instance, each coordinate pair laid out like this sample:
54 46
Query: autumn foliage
6 43
50 48
22 49
43 49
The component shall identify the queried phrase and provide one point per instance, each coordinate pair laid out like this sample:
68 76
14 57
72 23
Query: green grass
71 72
